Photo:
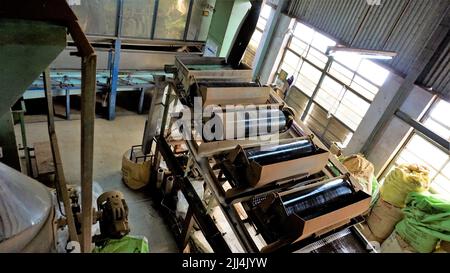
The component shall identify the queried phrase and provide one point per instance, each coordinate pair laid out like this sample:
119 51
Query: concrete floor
112 139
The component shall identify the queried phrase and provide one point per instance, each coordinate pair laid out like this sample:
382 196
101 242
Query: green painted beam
8 145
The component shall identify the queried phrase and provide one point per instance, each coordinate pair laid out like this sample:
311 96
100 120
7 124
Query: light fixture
360 53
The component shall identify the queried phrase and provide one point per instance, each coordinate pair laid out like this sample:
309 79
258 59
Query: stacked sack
387 211
362 169
426 221
403 180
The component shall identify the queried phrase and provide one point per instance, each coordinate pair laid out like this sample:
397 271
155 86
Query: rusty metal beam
60 178
88 96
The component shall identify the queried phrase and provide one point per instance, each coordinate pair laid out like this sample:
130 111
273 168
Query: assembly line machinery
278 189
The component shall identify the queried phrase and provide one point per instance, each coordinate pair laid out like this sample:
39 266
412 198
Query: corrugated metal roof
403 26
438 76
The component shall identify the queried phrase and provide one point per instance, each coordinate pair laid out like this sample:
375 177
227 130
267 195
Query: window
137 18
250 52
197 22
171 19
145 19
97 17
439 119
347 88
308 78
419 150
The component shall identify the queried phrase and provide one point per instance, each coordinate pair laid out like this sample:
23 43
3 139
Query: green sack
426 221
127 244
417 237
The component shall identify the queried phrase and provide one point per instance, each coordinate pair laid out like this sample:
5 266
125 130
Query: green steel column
8 145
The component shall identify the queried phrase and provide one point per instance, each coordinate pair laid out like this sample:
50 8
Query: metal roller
283 152
308 203
244 123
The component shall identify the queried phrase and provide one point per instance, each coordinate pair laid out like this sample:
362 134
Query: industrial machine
267 183
289 196
277 190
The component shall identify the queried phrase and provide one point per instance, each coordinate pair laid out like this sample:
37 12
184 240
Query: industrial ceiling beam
416 70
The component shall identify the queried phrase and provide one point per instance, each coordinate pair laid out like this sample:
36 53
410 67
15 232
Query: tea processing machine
264 190
240 171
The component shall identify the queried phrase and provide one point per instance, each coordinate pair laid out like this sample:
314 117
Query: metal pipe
155 16
188 20
159 177
114 80
169 184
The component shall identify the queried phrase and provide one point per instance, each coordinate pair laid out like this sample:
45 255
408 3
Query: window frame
421 132
326 71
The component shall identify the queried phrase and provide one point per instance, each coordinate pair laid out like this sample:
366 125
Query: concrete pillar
396 131
373 115
271 58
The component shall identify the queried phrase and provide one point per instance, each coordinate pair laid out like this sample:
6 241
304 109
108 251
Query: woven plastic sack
362 169
427 220
395 244
383 218
401 181
127 244
417 237
135 174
